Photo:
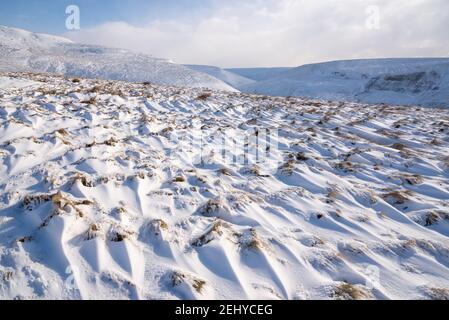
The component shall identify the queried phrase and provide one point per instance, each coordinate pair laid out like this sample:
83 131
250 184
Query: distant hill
233 79
259 74
422 82
21 50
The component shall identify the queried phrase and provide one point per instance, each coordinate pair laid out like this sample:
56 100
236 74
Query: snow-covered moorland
418 81
102 195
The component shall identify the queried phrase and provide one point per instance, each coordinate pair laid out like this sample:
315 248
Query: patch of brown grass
84 180
215 230
110 142
204 96
438 293
92 232
6 275
345 166
177 278
179 179
157 226
411 179
251 241
212 206
224 172
92 101
288 167
118 236
32 201
198 285
300 156
399 196
347 291
432 218
399 146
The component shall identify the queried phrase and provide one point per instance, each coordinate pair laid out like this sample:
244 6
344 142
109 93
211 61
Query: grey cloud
286 32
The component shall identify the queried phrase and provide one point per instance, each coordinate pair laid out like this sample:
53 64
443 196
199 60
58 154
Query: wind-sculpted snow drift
102 195
21 50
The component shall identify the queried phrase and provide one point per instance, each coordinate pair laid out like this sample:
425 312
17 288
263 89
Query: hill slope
395 81
233 79
25 51
259 74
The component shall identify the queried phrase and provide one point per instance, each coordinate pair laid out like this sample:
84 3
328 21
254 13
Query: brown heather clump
411 179
438 293
399 197
110 142
212 206
84 180
62 132
177 278
216 230
432 218
399 146
250 241
255 170
179 179
198 285
92 232
32 201
119 235
288 167
345 166
62 202
6 275
347 291
224 172
204 96
301 156
158 226
92 101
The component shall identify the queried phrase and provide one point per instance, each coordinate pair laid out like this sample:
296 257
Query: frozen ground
101 197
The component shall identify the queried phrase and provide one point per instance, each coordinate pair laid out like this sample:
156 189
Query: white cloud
286 32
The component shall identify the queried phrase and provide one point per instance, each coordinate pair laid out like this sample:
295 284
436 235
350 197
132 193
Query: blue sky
247 33
49 15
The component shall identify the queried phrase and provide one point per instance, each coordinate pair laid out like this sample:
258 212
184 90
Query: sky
247 33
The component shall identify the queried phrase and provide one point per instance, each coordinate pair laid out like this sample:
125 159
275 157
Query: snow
226 76
259 74
423 82
21 50
10 83
102 197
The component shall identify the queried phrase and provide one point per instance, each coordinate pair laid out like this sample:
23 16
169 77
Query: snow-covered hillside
25 51
233 79
394 81
103 195
259 74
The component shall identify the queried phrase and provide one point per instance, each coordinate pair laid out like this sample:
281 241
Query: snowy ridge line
25 51
103 195
414 81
